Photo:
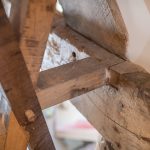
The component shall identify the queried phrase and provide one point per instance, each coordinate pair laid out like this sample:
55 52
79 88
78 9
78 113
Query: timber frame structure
112 92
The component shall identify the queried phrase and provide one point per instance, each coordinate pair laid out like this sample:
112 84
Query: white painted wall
136 15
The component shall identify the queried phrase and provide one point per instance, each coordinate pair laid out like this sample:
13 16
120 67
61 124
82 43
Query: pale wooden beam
74 79
65 82
83 44
70 80
99 20
52 90
119 136
120 112
32 19
19 90
19 142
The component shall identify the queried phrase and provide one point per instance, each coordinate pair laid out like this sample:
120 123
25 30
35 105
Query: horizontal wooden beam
65 82
74 79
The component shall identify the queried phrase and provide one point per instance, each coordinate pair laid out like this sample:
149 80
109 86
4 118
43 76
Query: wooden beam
83 44
19 142
75 79
99 20
32 19
64 82
18 88
119 136
51 92
65 86
122 112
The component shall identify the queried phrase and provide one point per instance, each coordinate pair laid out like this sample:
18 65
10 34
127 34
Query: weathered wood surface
17 138
130 122
18 87
32 19
122 113
112 131
65 82
78 77
60 28
51 92
99 20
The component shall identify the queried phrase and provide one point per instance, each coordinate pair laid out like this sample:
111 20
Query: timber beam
65 82
19 90
120 113
31 20
81 76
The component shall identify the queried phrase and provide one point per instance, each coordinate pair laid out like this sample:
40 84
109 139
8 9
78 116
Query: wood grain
100 21
31 20
118 135
65 82
18 87
17 138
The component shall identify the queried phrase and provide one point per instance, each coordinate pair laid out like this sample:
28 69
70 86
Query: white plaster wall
136 15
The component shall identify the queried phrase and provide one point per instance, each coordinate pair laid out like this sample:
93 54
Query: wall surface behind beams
136 15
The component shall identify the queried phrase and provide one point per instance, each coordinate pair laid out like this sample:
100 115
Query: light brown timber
17 138
31 20
100 21
65 82
18 87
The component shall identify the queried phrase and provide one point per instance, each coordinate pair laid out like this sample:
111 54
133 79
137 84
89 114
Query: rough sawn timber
122 114
100 21
31 20
65 82
18 87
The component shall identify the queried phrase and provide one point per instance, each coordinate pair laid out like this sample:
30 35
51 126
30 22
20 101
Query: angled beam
31 20
123 108
67 88
118 135
51 90
83 44
74 79
18 88
99 20
65 82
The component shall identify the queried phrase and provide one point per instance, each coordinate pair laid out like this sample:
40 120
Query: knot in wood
30 115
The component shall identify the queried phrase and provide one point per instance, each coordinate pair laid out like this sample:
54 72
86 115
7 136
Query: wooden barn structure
107 88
